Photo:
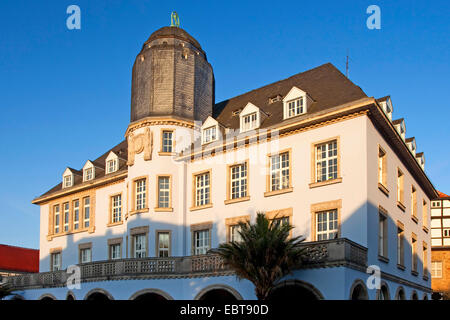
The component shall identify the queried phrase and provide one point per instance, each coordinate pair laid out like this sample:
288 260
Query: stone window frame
414 204
414 254
383 252
157 232
425 215
383 173
194 190
325 206
200 227
230 222
133 195
279 214
66 221
53 213
401 245
53 252
314 183
84 246
115 241
73 214
425 260
170 207
161 151
401 189
111 208
229 200
269 192
138 231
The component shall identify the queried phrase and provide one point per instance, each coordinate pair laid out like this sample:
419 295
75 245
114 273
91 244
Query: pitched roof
19 259
442 195
121 150
325 84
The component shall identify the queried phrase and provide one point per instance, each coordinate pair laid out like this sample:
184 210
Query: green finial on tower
174 19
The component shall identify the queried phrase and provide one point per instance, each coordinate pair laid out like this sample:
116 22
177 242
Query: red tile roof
442 195
19 259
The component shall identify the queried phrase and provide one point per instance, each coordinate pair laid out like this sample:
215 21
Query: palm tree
265 254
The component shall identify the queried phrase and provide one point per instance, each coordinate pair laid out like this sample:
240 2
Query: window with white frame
167 141
87 211
238 181
201 241
115 251
163 192
163 244
202 189
116 208
209 134
436 269
249 121
279 171
111 166
295 107
85 255
88 174
76 214
55 261
141 188
234 233
57 218
140 247
326 225
67 181
326 161
66 216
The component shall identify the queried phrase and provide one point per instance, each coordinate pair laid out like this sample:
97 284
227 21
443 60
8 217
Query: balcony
320 254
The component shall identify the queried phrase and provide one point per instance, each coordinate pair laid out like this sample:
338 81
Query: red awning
19 259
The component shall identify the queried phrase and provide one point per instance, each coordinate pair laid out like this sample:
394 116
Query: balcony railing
338 252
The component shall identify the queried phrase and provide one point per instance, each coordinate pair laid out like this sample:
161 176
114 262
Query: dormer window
295 103
249 122
251 117
209 134
88 174
111 166
67 181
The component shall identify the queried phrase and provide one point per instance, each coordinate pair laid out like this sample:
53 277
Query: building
312 149
440 244
17 261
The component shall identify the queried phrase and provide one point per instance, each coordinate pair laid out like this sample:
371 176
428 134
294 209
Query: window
295 107
414 253
382 167
209 134
446 232
326 225
382 235
66 216
111 166
425 214
414 202
87 211
116 208
425 259
202 189
67 181
238 181
326 161
400 186
201 242
57 218
400 245
436 269
163 244
141 188
115 251
55 261
167 141
88 174
76 214
281 221
164 200
140 248
85 255
234 233
249 121
280 172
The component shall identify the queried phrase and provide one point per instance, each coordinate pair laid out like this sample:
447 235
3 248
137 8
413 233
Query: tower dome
172 77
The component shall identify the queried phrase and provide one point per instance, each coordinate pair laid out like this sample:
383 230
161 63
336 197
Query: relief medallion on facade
142 142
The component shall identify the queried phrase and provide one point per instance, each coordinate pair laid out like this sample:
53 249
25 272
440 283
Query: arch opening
150 296
294 290
217 295
359 291
400 294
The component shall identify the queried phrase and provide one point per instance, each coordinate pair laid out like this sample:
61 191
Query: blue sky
65 94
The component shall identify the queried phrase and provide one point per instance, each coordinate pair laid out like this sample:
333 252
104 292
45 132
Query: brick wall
441 284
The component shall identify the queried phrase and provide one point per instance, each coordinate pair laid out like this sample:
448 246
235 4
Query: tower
172 77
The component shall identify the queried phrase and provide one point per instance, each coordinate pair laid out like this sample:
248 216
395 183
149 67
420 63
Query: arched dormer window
295 103
112 163
210 130
250 118
67 178
88 171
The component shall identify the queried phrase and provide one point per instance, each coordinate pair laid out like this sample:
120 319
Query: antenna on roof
174 19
